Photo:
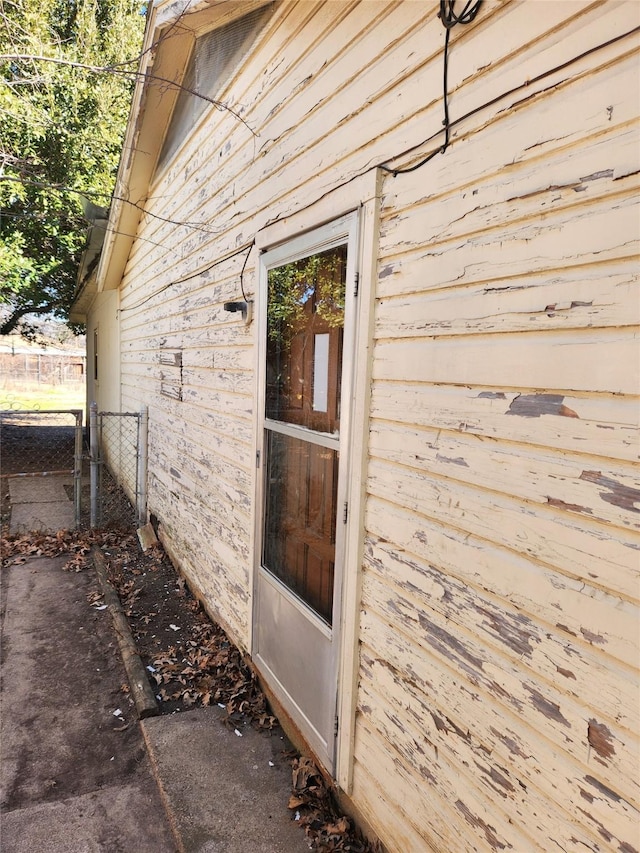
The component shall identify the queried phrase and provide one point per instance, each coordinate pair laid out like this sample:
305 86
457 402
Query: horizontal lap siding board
549 505
501 582
598 426
580 362
502 502
606 298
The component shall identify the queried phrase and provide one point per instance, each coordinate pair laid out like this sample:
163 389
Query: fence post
143 425
93 439
77 470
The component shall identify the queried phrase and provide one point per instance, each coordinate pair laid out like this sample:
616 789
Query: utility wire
449 20
449 17
216 263
244 266
518 88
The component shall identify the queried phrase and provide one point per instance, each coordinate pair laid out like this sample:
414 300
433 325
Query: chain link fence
52 479
118 468
41 454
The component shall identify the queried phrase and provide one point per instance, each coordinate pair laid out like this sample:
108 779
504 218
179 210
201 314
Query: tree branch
11 322
124 72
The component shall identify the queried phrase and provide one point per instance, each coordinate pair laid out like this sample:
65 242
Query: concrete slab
38 489
40 503
48 517
226 793
103 821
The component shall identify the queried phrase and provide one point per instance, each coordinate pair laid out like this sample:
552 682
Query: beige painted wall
103 326
496 693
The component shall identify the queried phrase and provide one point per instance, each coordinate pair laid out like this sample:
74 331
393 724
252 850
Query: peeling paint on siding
535 405
549 709
488 830
510 632
618 494
603 789
599 738
559 504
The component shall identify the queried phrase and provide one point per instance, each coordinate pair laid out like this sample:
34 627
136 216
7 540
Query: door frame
361 196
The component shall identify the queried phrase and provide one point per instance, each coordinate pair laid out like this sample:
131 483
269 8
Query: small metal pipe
143 451
77 470
93 444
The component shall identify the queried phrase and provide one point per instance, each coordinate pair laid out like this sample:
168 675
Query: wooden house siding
496 692
500 581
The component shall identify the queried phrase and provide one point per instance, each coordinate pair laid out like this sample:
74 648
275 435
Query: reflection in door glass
300 518
305 322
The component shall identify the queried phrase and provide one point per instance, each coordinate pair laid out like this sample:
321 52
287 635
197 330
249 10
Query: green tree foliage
61 130
318 279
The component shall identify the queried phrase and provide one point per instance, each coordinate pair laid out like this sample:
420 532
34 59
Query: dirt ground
189 659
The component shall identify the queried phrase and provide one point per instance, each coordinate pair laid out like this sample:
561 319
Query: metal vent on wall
215 57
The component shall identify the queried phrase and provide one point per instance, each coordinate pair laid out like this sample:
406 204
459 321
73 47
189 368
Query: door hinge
345 512
336 726
356 286
257 458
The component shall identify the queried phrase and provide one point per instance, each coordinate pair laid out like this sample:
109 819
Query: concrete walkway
41 502
79 773
226 789
72 778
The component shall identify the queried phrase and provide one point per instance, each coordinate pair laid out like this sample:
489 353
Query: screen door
307 339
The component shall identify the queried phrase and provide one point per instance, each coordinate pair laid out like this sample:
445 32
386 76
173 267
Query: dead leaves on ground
77 543
207 669
315 808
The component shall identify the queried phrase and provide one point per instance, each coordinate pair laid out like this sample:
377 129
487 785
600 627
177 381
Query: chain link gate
41 468
118 467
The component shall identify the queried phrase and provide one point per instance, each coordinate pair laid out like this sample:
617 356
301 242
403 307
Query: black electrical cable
221 260
449 20
244 266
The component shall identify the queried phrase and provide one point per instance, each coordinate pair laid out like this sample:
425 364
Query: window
214 58
305 337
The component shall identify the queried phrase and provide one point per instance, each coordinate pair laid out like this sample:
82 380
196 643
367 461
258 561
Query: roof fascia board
150 104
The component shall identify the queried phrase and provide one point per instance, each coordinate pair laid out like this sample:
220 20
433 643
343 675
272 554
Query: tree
61 130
